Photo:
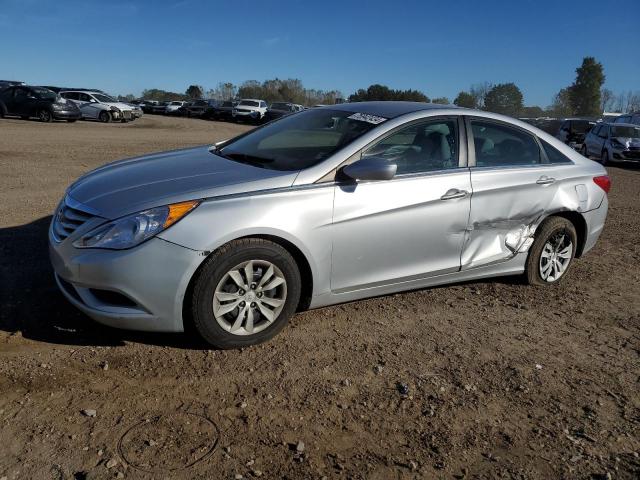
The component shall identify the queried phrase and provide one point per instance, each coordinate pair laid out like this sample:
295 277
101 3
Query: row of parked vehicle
247 110
609 139
48 103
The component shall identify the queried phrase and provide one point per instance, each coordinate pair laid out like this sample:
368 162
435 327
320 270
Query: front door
411 226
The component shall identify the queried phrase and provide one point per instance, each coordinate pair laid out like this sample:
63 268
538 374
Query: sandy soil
493 379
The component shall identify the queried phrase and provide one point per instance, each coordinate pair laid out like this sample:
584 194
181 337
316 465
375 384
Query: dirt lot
504 380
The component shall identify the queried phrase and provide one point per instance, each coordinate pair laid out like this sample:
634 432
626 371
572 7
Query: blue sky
438 47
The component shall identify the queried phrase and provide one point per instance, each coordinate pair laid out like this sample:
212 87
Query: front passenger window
498 145
421 147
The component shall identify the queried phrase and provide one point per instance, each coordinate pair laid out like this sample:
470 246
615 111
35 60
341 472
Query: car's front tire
245 293
104 116
45 116
552 251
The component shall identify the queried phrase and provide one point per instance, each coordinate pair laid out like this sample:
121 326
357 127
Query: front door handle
544 180
454 193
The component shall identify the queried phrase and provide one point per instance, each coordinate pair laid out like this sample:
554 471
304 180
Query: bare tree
479 92
607 98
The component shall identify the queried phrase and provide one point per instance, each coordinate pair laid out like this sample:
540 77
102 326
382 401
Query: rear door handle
454 193
544 180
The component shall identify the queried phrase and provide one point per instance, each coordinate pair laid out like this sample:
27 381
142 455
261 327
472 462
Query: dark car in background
279 109
613 142
573 130
9 83
197 108
26 102
221 111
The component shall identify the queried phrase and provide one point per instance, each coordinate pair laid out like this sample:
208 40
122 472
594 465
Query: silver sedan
329 205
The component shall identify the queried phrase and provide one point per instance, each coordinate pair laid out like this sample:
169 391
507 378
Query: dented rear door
512 187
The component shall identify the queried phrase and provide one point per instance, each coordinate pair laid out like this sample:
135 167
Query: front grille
67 220
126 114
633 154
244 110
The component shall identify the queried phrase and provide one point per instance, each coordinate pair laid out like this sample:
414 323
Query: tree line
586 96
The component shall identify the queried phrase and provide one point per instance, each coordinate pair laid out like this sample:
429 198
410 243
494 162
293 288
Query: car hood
121 106
132 185
629 141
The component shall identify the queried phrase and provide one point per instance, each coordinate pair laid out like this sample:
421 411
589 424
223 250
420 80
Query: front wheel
583 151
245 293
104 117
45 116
552 251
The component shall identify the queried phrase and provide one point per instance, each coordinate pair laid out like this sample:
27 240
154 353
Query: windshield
299 141
45 94
626 132
103 98
249 103
581 126
280 106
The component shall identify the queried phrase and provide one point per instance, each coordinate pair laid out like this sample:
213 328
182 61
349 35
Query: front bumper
627 155
142 288
67 114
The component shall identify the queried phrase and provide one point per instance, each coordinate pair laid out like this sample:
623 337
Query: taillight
604 182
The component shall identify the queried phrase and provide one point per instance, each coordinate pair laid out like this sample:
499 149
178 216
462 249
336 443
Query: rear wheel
552 251
104 117
44 116
245 293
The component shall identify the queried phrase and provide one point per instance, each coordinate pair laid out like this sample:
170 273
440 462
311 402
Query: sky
437 47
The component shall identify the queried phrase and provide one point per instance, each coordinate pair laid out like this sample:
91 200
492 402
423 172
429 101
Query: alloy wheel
249 297
555 257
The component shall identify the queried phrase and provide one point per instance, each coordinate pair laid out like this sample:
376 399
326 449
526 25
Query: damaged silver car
330 205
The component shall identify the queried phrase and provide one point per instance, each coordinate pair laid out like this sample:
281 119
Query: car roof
389 109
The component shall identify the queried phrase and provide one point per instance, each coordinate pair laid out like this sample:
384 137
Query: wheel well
305 273
579 224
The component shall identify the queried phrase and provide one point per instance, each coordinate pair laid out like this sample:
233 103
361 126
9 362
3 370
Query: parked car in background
147 106
633 118
613 142
26 102
573 130
249 109
221 111
197 108
99 106
173 108
330 205
279 109
9 83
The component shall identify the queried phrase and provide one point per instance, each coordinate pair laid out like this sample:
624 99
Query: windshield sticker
365 117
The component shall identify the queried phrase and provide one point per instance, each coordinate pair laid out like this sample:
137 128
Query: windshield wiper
248 159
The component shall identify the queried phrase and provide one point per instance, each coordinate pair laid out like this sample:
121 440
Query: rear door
411 226
513 186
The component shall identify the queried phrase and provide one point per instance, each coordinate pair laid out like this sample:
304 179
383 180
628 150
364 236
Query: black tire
45 116
216 267
604 157
583 151
104 116
547 230
71 120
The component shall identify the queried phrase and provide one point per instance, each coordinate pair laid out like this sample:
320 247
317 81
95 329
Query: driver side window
421 147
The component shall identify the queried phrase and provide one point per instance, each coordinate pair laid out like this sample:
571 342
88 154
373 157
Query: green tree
194 92
441 100
585 90
383 93
532 112
161 95
466 100
505 98
561 105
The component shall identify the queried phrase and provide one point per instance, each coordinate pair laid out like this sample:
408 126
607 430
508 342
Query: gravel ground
491 379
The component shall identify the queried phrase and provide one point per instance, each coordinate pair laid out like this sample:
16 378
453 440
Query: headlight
59 106
132 230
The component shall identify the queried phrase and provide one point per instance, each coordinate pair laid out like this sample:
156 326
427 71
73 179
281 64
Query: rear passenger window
553 154
498 145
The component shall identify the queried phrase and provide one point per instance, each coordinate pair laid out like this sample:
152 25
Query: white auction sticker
365 117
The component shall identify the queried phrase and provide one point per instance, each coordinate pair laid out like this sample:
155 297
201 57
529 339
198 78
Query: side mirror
371 168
